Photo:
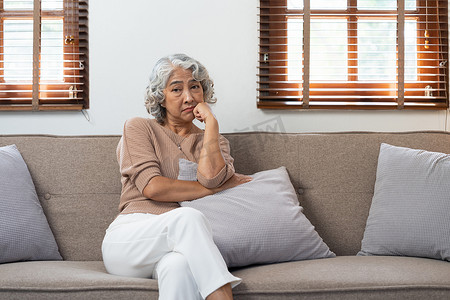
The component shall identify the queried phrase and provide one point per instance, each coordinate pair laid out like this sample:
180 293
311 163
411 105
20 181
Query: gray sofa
77 181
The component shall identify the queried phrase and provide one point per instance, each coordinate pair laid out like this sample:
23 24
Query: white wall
126 39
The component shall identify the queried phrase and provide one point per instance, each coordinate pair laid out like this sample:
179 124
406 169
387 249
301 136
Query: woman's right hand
235 180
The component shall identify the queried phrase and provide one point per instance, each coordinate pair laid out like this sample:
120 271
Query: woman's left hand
235 180
202 112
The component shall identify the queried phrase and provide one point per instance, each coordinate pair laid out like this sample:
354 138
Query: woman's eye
196 86
175 90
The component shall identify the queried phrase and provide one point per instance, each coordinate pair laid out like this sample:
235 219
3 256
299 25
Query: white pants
175 247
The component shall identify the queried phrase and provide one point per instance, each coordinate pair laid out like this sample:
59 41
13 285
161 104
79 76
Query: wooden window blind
44 55
353 54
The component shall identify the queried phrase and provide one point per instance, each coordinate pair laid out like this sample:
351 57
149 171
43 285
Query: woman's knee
190 215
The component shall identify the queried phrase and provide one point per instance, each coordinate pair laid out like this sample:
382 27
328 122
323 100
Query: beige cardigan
147 149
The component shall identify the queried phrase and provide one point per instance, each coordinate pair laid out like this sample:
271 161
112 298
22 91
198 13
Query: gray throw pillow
410 212
24 231
261 222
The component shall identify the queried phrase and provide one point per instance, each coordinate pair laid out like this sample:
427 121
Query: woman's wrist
212 129
211 120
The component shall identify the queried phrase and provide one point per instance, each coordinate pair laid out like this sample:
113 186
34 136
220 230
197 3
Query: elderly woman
153 237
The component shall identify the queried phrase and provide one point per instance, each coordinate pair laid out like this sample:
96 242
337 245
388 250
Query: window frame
276 92
22 93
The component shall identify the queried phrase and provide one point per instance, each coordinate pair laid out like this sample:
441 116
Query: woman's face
182 94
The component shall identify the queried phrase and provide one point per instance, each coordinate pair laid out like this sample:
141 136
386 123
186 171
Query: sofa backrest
78 182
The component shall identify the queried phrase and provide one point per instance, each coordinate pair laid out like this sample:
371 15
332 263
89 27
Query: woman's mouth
189 109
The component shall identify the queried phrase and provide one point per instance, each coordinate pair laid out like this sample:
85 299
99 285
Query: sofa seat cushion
343 277
347 277
70 280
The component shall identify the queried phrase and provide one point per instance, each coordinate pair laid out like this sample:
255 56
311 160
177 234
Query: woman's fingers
202 111
243 178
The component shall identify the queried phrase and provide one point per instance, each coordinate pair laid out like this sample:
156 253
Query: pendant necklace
184 137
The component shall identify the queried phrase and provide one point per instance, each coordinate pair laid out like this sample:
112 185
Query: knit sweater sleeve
136 154
225 173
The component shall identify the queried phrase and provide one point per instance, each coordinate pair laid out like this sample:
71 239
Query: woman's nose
188 97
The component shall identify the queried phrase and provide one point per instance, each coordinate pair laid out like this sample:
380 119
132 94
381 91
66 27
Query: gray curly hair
161 73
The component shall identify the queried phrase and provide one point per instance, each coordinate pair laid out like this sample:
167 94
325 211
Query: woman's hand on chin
203 113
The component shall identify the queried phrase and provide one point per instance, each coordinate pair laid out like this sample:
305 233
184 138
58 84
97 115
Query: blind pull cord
86 115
